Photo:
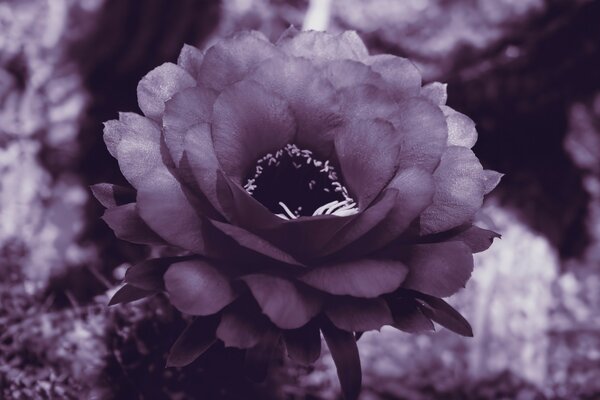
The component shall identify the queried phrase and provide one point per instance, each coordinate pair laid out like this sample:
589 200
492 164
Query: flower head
310 187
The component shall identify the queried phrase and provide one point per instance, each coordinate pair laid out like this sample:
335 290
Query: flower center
293 183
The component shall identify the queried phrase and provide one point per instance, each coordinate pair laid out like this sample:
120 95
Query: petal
129 293
444 314
249 122
230 60
149 274
459 191
364 222
186 109
138 150
321 46
190 59
196 287
402 78
166 208
491 179
202 163
359 278
347 73
197 337
358 315
414 188
476 238
255 243
159 85
312 99
241 329
257 358
368 157
438 269
286 304
110 195
112 135
435 92
127 225
408 317
344 352
303 344
422 133
461 129
366 101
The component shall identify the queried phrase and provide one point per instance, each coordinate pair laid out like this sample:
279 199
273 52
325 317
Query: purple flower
309 186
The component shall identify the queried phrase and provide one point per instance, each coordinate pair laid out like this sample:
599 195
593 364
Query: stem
317 16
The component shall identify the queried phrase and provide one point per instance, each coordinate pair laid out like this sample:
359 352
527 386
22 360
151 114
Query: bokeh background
528 73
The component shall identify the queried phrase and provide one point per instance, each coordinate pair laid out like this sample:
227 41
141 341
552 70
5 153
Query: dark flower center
293 183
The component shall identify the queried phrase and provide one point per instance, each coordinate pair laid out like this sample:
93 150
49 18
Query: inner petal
293 183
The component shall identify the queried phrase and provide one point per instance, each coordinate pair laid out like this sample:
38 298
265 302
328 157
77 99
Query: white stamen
287 210
338 208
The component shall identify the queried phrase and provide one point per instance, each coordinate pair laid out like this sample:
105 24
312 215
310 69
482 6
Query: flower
310 188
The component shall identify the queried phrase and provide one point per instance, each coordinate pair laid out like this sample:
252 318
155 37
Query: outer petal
196 287
321 46
149 274
187 108
198 337
401 75
408 317
436 92
422 133
159 85
126 223
285 303
241 329
359 278
358 315
366 101
459 191
138 145
368 157
348 73
231 59
491 179
110 195
190 58
129 293
461 129
248 123
164 206
438 269
303 344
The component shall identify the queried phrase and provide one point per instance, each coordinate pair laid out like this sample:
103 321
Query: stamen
287 210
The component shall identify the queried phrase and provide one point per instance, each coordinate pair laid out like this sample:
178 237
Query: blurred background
526 71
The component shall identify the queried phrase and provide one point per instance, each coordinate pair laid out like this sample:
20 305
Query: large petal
366 101
459 191
197 287
138 146
402 78
127 225
422 133
287 305
303 344
110 195
359 278
321 46
358 315
436 92
311 96
230 60
347 73
164 206
197 337
248 123
186 109
438 269
344 351
368 157
159 85
461 129
149 274
241 328
190 58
